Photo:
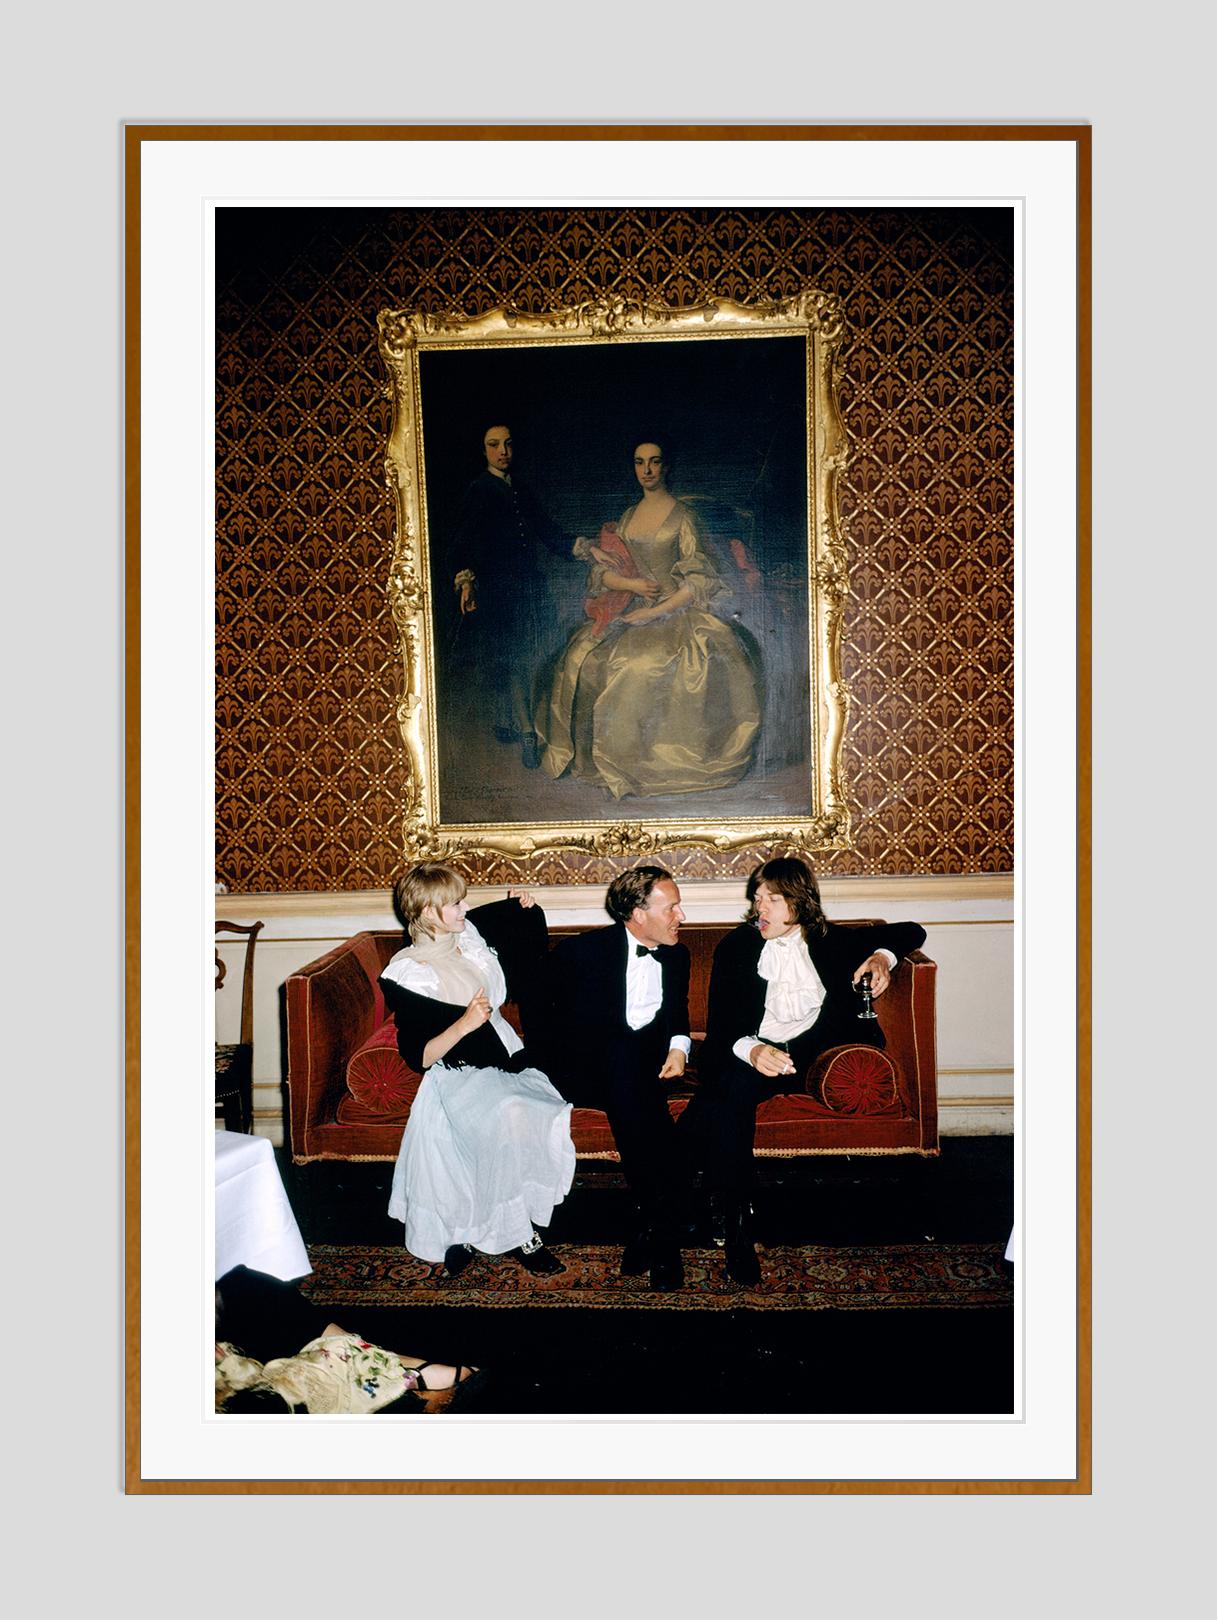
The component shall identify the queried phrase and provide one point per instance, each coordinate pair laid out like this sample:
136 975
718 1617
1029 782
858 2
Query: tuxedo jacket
736 1005
518 936
587 994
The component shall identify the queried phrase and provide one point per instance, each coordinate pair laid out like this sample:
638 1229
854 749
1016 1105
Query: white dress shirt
644 991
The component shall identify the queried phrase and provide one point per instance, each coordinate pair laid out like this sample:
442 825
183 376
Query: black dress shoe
530 752
636 1256
740 1251
542 1262
667 1268
457 1258
741 1262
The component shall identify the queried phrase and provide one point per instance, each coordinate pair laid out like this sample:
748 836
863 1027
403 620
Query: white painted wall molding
969 923
296 916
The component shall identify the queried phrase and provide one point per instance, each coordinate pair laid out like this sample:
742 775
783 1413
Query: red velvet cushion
858 1080
378 1080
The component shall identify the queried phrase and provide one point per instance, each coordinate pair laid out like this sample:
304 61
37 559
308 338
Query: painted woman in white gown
655 696
487 1150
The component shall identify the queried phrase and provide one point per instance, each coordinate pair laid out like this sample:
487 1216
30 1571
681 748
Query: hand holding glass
864 990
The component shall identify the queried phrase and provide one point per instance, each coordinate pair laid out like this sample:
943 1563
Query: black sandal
434 1399
463 1374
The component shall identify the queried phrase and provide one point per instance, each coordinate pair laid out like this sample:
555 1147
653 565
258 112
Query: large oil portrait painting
618 576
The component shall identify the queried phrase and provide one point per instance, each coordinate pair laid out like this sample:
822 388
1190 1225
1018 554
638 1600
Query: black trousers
721 1117
621 1076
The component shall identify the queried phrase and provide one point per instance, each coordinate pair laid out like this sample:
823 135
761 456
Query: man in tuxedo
783 990
500 589
620 1009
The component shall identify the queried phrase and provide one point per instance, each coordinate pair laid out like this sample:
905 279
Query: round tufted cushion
377 1078
858 1080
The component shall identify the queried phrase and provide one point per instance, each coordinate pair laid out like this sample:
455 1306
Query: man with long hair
782 991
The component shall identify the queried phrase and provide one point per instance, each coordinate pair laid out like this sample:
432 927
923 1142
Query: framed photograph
541 463
596 399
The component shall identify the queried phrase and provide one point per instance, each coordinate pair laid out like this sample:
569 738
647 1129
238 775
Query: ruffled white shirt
794 995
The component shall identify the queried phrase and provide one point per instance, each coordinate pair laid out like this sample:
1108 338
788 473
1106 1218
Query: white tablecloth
255 1226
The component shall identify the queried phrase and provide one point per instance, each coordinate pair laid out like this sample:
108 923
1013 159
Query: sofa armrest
895 1005
333 1006
907 1017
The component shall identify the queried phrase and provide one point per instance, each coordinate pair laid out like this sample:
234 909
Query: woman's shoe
535 1257
435 1399
456 1259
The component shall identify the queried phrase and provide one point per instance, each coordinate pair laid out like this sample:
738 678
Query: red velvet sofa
349 1092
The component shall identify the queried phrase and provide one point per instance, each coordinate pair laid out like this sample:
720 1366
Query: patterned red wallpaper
308 758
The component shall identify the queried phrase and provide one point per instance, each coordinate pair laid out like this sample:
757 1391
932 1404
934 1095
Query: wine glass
863 989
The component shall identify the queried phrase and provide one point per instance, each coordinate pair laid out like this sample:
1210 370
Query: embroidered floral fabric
338 1372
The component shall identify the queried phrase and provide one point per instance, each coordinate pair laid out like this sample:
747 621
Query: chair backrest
251 931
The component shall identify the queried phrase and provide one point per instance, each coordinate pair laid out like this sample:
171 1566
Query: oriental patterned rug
899 1276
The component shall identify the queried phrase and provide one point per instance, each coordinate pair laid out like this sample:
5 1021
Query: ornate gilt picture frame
718 724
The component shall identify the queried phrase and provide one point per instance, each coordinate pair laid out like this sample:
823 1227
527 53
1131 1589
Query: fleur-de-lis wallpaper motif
309 767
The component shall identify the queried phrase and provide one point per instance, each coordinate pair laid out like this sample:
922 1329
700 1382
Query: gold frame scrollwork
403 333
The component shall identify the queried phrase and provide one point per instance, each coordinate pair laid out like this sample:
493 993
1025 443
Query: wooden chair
235 1063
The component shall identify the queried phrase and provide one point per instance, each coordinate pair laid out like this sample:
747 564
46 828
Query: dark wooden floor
882 1362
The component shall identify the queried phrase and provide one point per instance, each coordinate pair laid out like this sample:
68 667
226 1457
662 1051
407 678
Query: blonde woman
487 1151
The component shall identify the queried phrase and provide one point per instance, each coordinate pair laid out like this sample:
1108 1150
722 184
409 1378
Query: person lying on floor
258 1318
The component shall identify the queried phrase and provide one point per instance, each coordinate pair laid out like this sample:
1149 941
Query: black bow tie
641 950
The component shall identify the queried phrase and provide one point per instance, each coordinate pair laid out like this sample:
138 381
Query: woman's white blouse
423 980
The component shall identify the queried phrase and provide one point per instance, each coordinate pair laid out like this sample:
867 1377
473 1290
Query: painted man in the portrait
501 590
